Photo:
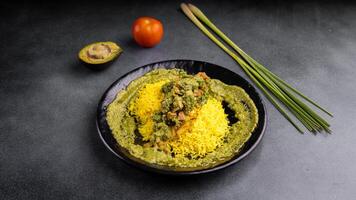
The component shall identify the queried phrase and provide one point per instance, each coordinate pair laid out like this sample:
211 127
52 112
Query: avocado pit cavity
99 51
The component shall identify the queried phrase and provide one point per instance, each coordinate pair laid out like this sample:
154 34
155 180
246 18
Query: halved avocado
99 53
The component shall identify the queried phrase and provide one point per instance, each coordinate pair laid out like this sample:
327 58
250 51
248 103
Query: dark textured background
49 147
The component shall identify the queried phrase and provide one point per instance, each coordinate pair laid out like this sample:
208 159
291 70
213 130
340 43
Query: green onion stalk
276 90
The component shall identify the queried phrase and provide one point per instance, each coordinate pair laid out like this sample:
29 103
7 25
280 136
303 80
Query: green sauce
124 127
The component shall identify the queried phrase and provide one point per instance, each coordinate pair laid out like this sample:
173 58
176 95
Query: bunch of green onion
269 83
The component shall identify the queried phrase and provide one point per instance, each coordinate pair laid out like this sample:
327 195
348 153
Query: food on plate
171 118
99 52
147 31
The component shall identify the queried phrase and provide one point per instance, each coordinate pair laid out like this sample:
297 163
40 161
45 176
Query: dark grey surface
49 147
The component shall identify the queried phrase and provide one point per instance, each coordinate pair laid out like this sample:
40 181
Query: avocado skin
98 67
98 64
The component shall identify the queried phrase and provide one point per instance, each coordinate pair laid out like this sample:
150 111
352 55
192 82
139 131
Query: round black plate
192 67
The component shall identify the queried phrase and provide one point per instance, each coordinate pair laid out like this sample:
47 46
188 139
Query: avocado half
99 53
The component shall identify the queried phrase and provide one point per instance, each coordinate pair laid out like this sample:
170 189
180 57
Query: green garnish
181 96
270 84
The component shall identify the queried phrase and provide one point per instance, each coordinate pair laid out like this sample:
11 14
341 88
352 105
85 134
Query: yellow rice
196 137
147 102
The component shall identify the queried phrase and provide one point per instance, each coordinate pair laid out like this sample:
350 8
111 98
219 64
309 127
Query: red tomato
147 31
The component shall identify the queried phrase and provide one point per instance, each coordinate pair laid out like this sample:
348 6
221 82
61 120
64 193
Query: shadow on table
80 69
128 42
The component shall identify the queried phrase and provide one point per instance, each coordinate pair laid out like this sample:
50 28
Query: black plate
192 67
